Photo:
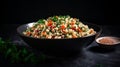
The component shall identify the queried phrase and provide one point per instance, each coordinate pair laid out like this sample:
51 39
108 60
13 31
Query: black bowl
59 47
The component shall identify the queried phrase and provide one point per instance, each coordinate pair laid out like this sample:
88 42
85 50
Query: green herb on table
11 52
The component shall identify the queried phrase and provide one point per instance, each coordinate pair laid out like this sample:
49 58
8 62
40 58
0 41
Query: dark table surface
92 56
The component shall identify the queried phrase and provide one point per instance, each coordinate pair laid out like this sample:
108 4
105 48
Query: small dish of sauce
108 41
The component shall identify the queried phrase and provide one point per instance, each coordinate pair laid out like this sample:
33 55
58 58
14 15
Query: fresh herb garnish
54 18
41 21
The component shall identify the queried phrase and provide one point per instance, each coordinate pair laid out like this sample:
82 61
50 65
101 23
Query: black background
103 12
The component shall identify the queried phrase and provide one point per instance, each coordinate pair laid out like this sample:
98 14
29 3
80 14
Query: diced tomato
73 28
28 33
74 36
62 27
36 30
53 37
79 30
64 31
52 27
44 33
50 22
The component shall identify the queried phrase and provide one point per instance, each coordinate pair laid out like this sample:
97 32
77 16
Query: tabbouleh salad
58 27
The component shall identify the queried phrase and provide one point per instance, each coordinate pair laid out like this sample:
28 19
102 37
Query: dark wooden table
92 56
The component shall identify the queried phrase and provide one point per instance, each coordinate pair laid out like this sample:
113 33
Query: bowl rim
97 32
